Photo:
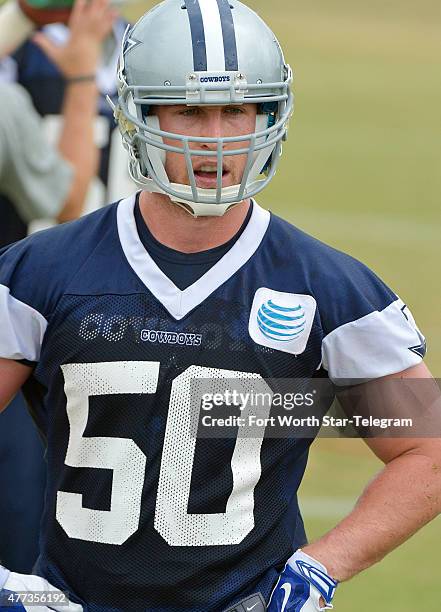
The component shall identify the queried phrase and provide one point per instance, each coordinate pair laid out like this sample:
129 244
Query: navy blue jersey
139 514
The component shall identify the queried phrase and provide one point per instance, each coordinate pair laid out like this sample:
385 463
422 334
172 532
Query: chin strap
204 210
195 209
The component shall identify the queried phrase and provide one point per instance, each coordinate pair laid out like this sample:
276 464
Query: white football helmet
202 52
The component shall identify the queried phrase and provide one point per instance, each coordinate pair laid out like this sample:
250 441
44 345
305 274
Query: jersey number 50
128 463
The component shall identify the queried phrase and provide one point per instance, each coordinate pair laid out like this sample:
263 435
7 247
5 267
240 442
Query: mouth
206 176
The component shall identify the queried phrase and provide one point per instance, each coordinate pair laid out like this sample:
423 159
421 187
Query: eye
234 110
189 112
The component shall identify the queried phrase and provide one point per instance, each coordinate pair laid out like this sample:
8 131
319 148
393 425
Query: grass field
362 171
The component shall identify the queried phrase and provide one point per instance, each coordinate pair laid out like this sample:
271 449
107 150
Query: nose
213 128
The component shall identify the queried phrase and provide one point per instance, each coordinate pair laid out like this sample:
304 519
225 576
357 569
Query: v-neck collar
180 303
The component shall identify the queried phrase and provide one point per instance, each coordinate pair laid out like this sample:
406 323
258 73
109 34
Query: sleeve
32 173
369 331
22 319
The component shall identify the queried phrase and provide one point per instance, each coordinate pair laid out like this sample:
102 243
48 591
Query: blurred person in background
28 65
40 76
38 180
21 199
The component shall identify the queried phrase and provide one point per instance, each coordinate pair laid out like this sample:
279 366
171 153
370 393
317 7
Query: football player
109 321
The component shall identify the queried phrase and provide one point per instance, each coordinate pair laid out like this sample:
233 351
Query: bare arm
402 498
89 24
77 145
12 376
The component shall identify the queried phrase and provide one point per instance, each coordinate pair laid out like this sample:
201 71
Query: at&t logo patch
282 321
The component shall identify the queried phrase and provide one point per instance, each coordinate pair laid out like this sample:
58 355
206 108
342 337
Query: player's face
211 122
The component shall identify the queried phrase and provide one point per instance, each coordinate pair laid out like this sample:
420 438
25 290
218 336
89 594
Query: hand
11 582
303 586
89 24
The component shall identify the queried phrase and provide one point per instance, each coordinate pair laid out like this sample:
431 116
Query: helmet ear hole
271 123
264 120
269 110
268 107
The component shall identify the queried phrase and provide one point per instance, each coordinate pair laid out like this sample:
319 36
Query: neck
174 227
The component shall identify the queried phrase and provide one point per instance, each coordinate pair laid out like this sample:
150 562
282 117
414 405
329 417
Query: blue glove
301 585
39 591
